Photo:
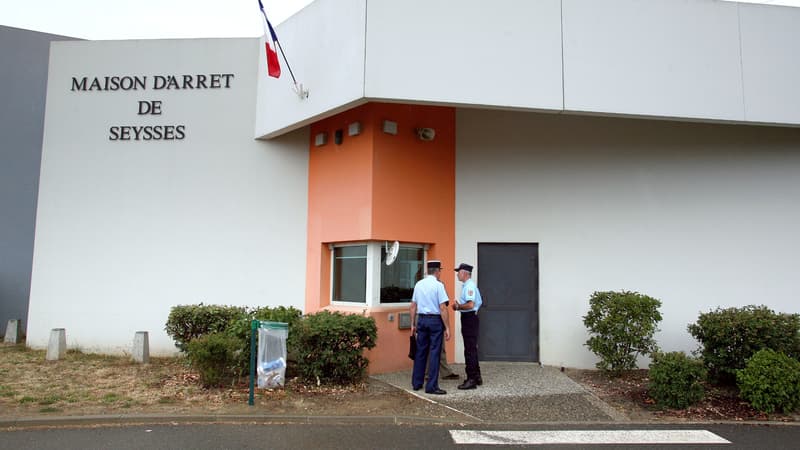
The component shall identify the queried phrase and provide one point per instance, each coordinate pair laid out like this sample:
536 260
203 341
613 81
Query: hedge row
325 348
752 346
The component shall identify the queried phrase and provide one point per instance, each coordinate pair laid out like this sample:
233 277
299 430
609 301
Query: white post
12 332
57 347
141 347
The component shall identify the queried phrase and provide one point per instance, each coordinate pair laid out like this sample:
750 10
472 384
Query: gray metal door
508 278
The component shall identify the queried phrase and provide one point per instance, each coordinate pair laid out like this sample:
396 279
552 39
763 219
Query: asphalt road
354 436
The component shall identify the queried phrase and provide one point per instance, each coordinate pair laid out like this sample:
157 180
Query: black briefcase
412 347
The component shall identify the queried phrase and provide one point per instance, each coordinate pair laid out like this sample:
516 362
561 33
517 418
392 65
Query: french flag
273 65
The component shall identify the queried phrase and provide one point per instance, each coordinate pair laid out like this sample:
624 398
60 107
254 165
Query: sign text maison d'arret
150 107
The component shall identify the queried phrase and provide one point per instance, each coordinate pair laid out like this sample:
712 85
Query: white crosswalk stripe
586 437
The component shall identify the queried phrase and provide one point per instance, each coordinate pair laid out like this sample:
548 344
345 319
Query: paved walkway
516 392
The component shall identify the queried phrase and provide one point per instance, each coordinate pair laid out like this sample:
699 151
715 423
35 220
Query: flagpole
302 93
280 47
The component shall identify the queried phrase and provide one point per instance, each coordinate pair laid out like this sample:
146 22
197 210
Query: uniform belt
467 313
428 315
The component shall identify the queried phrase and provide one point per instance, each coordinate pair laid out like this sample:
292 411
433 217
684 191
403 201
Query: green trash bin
268 361
271 361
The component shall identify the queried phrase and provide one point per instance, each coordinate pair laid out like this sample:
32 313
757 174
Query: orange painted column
381 187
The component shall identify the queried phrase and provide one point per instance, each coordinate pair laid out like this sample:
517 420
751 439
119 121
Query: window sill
358 308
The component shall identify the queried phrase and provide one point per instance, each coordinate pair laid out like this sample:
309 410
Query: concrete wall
23 78
654 58
770 39
505 53
128 229
696 215
694 59
697 60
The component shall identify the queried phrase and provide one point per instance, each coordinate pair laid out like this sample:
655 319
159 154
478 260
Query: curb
158 419
119 420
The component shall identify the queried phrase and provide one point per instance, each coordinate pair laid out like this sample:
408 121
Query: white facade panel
505 53
696 215
325 46
695 60
661 58
771 63
126 229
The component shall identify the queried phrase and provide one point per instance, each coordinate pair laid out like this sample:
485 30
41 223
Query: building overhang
703 60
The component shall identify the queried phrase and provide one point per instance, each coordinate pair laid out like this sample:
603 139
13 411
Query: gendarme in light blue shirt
470 293
429 293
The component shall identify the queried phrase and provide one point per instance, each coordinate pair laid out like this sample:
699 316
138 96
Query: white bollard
57 347
12 332
141 347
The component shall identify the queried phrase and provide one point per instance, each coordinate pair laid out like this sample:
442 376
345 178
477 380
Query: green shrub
676 380
622 325
187 322
770 381
325 346
330 347
216 357
728 337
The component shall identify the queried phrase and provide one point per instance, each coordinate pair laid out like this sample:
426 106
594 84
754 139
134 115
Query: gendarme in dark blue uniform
468 303
429 322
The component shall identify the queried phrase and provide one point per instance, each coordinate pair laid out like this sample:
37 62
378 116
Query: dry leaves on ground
630 394
92 384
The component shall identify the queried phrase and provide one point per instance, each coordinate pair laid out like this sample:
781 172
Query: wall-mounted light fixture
389 127
425 134
354 129
320 139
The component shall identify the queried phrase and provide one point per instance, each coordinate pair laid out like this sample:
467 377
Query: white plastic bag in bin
271 361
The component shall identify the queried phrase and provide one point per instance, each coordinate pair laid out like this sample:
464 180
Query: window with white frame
350 273
360 275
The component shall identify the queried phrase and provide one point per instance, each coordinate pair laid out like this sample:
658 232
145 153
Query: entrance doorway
508 278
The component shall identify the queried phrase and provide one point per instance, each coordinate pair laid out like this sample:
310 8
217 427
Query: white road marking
586 437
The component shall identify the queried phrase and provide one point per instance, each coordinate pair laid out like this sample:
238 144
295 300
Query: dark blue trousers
470 329
429 340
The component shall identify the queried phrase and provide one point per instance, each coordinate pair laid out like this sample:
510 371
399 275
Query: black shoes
416 388
479 381
469 384
437 392
452 376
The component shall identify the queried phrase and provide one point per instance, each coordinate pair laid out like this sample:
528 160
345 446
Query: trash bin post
253 330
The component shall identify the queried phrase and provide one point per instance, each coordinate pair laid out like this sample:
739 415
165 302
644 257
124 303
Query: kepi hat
434 264
464 266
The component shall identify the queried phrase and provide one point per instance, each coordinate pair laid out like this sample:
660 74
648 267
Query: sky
160 19
146 19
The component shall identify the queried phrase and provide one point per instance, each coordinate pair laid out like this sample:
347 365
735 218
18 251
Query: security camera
425 134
